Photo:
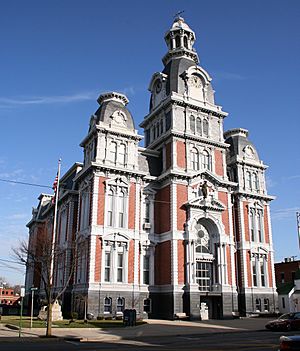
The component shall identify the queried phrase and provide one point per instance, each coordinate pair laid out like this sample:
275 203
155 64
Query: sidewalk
150 329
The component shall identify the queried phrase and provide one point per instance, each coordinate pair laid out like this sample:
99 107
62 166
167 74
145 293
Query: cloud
17 216
228 76
41 100
297 176
270 183
285 213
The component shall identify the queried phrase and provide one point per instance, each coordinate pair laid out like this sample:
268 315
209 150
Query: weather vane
178 14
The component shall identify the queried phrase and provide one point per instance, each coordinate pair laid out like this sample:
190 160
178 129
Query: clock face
158 86
195 81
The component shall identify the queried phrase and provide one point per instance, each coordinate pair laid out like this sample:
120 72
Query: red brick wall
270 274
219 169
163 263
162 210
101 200
246 221
181 156
98 258
182 198
249 271
223 197
180 248
229 268
235 221
131 262
168 155
131 212
287 268
266 225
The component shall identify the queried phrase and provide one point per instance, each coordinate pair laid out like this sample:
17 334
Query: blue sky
58 56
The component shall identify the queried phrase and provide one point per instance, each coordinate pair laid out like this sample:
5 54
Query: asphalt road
250 340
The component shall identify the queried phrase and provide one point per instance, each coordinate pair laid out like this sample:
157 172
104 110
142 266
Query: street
242 340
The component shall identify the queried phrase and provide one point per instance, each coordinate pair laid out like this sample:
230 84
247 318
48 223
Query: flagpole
298 226
54 225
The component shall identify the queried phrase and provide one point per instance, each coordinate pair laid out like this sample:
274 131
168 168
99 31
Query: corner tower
194 250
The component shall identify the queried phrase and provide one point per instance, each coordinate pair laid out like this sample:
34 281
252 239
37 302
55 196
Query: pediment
206 204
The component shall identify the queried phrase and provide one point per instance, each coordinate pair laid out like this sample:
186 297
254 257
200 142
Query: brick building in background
165 227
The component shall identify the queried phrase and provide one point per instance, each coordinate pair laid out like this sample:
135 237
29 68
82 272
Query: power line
25 183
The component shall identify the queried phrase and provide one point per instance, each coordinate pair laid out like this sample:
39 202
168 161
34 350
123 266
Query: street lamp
31 313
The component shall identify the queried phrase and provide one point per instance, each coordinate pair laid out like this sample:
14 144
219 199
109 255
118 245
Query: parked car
291 343
287 321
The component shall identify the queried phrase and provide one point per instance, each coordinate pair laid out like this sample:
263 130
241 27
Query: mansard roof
113 106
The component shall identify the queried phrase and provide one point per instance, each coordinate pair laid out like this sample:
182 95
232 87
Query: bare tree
38 256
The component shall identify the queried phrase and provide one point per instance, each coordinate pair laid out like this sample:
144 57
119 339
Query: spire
180 40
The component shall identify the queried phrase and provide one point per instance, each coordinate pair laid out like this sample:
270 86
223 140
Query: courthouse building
163 228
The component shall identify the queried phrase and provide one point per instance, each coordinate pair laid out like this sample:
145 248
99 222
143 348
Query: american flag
54 187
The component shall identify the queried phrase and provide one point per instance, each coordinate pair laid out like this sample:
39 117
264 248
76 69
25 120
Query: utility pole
21 310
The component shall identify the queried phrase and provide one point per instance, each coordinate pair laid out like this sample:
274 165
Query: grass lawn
15 320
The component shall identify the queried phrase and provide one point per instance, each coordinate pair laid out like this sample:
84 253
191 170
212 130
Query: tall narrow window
283 302
205 127
195 159
107 305
157 130
185 40
177 41
110 200
266 305
192 124
205 160
258 304
146 269
120 304
147 213
113 152
120 268
251 217
248 180
122 209
255 182
161 126
262 274
260 226
254 273
107 267
203 275
122 154
198 126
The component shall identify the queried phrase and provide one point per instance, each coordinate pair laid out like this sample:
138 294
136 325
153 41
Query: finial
177 15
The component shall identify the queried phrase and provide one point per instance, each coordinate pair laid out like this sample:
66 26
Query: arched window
121 207
205 127
192 124
195 159
147 305
110 205
248 180
266 305
185 41
113 152
122 154
255 181
258 304
107 305
177 41
205 160
120 304
198 126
